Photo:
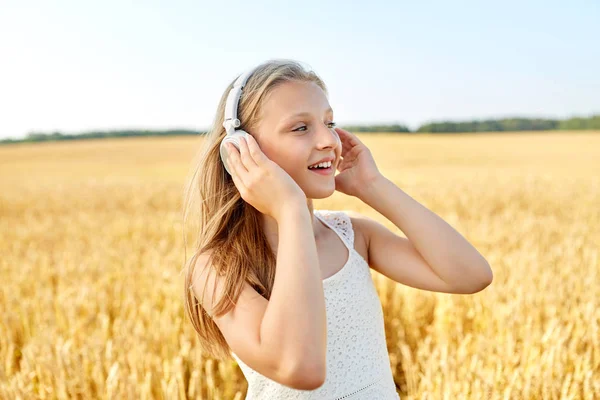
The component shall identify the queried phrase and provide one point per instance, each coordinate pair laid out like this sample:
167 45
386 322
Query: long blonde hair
227 226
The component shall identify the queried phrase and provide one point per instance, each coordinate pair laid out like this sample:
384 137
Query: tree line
488 125
512 125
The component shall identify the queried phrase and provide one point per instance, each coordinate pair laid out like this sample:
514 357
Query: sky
76 66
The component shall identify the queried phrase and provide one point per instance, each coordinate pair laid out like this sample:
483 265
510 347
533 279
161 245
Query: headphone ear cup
234 139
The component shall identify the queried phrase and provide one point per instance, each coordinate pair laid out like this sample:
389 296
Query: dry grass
91 251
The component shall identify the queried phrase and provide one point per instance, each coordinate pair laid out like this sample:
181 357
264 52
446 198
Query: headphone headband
231 106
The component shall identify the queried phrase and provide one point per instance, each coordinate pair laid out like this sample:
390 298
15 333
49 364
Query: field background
92 248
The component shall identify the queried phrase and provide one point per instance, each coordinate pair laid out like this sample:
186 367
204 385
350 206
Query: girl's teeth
321 165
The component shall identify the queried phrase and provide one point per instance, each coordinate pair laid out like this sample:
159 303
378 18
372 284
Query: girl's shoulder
351 224
342 217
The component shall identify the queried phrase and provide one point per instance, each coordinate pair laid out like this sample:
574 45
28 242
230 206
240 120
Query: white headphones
231 122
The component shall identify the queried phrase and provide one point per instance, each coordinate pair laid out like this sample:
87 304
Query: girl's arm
290 329
283 338
434 257
294 325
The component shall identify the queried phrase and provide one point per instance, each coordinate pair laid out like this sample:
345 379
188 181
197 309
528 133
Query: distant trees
488 125
376 128
512 124
592 122
40 137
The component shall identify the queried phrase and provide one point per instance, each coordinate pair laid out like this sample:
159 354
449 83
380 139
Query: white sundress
358 364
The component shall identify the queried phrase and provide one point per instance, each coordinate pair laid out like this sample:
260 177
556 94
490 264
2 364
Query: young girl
290 294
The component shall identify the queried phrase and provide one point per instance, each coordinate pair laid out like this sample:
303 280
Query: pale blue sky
74 66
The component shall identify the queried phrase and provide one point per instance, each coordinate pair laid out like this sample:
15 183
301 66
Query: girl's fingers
234 176
245 155
348 137
233 158
257 155
345 146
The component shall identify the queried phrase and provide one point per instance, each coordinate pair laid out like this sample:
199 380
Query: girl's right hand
261 182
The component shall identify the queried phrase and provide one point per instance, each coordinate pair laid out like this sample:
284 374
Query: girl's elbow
486 280
309 378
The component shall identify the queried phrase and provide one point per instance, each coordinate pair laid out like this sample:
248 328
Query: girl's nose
328 137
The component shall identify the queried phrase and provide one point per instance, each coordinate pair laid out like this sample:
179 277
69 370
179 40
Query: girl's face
296 130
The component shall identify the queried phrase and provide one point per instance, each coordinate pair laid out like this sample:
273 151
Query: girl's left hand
357 168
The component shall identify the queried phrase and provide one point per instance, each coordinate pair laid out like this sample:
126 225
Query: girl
290 291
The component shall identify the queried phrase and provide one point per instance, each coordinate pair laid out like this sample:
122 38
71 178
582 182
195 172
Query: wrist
370 187
292 209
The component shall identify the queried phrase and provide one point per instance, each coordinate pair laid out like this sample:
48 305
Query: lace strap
341 222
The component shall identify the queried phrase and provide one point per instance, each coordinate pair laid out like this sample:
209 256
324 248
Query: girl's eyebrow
303 114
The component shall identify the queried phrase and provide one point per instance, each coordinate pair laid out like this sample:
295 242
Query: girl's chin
320 192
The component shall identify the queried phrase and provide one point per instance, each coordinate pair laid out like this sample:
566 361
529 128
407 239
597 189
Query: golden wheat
91 253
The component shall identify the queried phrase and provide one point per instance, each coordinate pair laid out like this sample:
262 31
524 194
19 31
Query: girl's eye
332 125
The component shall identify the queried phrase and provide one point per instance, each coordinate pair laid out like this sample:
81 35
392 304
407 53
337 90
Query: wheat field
92 248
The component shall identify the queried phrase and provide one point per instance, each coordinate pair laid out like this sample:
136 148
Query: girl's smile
325 166
323 171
